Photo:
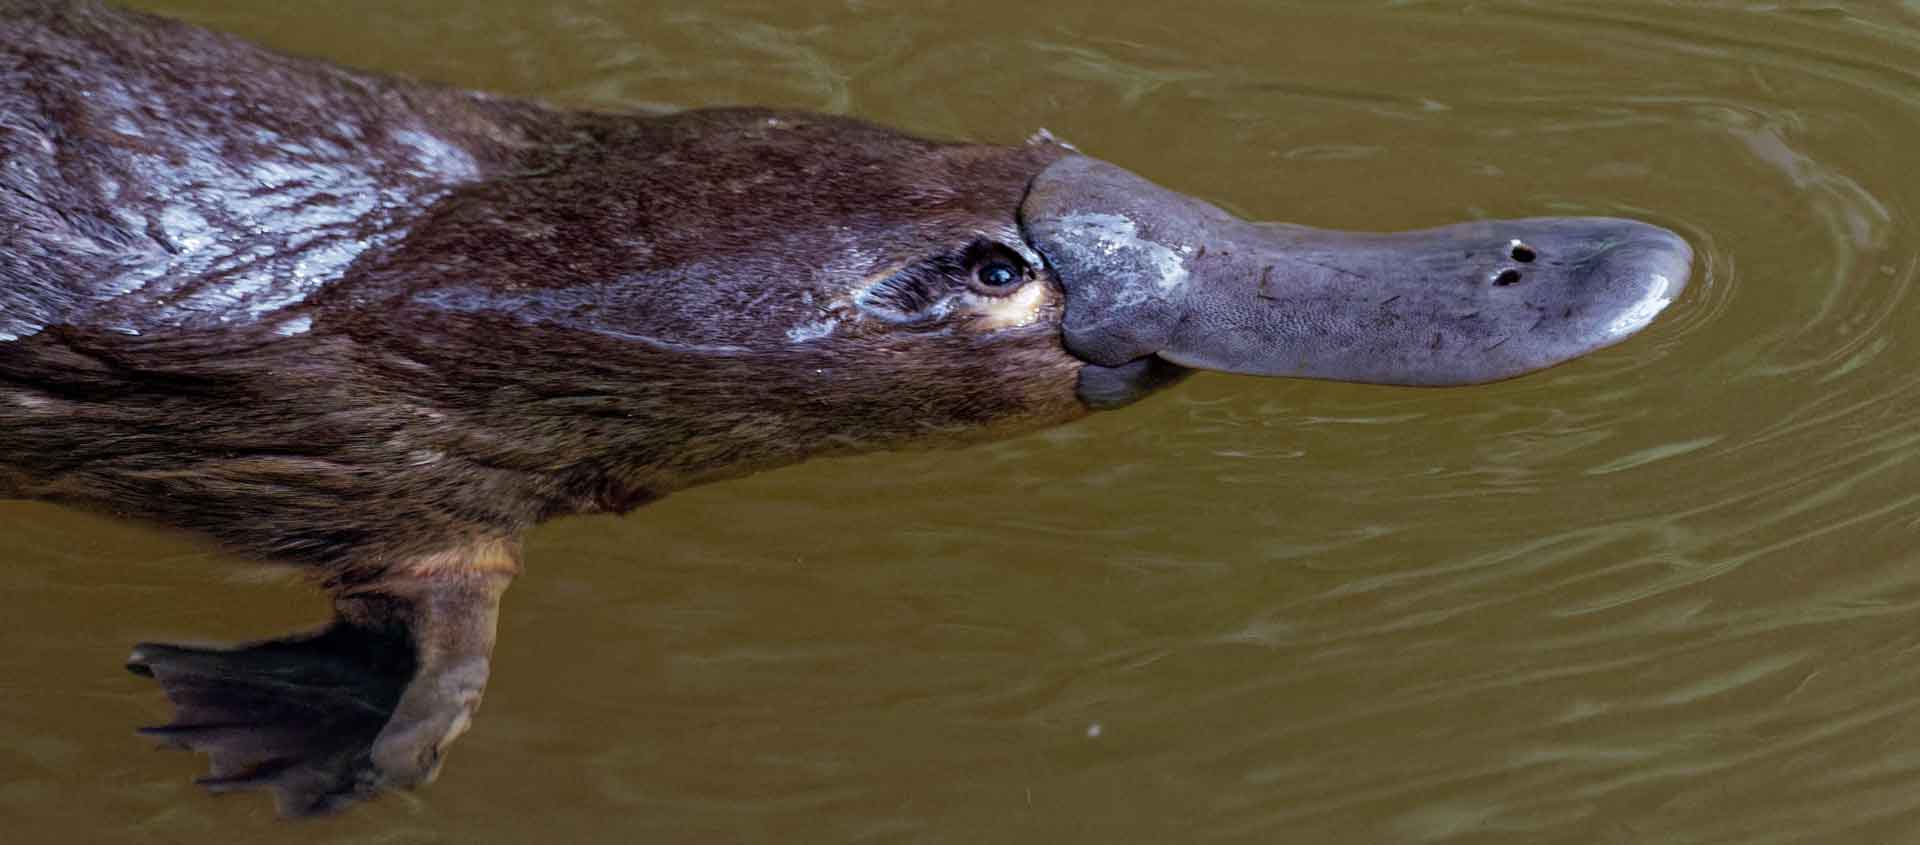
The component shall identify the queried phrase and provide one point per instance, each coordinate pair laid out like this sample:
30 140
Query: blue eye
997 274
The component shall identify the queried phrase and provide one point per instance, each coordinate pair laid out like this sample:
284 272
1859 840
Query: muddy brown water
1669 593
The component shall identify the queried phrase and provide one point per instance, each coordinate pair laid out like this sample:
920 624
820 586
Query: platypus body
378 328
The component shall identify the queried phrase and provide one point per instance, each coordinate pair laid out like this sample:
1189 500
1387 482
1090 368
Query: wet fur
545 313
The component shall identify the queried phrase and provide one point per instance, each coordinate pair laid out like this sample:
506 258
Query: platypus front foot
332 717
295 715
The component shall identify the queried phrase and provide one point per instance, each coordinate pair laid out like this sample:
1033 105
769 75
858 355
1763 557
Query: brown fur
379 328
589 311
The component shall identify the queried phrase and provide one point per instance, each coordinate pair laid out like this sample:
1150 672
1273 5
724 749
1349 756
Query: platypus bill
377 329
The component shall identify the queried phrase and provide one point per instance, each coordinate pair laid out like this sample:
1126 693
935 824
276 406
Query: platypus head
1141 284
828 285
1156 284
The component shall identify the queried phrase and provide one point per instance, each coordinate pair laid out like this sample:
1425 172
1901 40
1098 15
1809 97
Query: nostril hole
1507 277
1523 253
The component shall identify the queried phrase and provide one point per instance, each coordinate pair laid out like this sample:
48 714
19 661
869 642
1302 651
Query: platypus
377 328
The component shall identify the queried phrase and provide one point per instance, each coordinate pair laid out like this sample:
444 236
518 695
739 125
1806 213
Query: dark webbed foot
297 715
329 718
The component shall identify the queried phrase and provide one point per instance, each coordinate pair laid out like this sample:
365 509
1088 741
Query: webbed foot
332 717
297 716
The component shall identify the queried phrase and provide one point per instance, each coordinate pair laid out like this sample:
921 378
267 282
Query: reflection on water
1663 594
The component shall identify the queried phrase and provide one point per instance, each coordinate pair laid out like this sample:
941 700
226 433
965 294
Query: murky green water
1665 594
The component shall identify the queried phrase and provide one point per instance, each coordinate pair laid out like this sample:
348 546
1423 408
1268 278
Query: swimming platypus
377 329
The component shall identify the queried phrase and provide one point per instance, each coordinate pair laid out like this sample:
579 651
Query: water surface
1667 593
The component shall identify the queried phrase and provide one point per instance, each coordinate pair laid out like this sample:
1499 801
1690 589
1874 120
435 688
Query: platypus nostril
1522 253
1507 277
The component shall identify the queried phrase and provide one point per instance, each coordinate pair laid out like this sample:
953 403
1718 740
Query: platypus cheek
1030 304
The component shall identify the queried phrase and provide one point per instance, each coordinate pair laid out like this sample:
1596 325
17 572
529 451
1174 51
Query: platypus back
161 175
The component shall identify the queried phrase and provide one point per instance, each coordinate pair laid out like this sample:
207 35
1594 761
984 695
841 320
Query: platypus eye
996 269
997 274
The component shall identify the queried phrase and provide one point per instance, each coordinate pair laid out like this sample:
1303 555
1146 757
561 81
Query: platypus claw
435 710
